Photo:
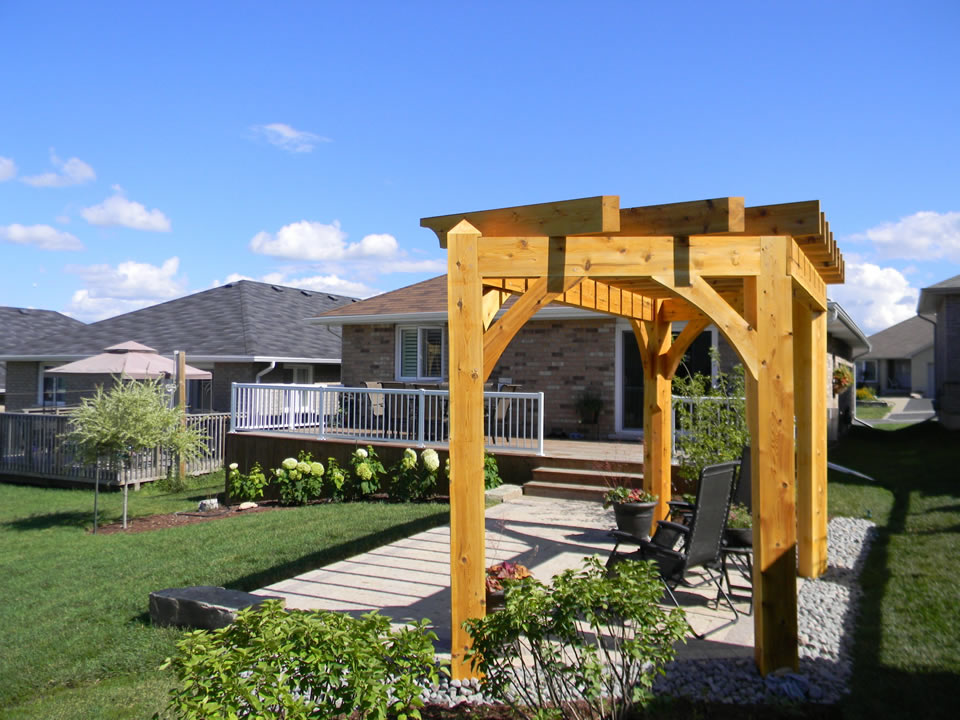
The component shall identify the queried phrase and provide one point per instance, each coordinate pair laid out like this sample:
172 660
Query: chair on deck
375 403
701 538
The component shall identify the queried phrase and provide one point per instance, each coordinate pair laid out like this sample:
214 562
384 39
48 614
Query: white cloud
417 266
117 210
133 280
72 172
877 297
84 306
287 138
41 236
922 236
8 169
303 240
323 283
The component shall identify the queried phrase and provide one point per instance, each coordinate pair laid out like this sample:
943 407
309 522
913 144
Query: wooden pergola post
467 531
811 388
768 300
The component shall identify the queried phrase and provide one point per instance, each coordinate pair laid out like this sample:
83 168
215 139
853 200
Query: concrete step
564 491
604 479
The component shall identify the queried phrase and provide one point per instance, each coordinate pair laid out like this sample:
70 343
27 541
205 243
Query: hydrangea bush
415 479
300 479
246 487
367 473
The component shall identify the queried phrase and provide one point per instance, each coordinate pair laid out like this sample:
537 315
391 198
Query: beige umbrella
130 360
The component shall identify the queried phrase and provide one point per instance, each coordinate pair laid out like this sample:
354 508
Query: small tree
712 421
133 416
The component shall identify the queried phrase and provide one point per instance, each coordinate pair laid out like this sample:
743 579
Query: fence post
421 417
540 425
233 407
323 413
289 398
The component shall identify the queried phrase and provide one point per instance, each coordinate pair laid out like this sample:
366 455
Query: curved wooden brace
735 329
499 335
682 343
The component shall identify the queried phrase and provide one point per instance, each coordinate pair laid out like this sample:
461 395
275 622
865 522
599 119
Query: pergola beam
599 214
588 295
719 215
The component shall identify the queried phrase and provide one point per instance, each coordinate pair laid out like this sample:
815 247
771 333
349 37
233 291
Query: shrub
246 486
273 663
491 471
414 479
334 479
550 633
712 426
300 480
367 472
866 393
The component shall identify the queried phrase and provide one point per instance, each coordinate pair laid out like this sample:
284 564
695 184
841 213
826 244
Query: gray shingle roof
241 319
903 340
927 304
19 326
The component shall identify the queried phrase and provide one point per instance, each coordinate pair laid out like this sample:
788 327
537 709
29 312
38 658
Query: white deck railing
512 421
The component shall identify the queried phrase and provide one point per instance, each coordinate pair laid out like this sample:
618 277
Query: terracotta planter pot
635 518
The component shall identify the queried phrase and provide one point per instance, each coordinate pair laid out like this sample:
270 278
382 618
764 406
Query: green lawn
75 637
907 644
872 412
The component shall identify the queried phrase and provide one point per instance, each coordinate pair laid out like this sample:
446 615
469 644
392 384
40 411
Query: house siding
21 385
947 366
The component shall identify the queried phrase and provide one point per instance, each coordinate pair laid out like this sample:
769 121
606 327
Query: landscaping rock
246 506
208 505
200 606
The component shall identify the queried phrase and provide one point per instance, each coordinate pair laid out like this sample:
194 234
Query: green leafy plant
278 664
620 494
589 645
588 406
711 419
367 472
491 471
412 478
334 479
246 487
300 480
739 518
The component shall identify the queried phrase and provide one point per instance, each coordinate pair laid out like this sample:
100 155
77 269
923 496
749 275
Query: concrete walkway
410 579
905 410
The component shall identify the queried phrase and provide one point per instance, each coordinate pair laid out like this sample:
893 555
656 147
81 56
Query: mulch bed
177 519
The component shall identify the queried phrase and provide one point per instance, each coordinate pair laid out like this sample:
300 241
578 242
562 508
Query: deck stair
582 482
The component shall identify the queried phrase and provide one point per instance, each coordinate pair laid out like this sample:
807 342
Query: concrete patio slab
410 579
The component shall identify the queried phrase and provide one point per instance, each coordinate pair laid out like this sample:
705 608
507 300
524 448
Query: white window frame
399 352
297 367
59 379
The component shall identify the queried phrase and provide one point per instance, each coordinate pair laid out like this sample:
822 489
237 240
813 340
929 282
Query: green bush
491 472
300 480
246 487
367 473
712 427
414 479
551 633
334 479
278 664
866 393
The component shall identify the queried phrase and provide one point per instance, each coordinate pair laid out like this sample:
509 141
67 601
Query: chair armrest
624 537
667 525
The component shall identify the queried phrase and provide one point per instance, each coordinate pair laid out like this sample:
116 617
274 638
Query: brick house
901 359
940 304
242 332
845 342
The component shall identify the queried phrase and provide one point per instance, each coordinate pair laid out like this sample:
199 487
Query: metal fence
35 446
512 420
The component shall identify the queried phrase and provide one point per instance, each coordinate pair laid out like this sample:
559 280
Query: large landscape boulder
200 606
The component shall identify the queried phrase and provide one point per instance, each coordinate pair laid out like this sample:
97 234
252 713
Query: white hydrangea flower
364 471
303 468
431 461
234 466
409 459
360 453
289 464
316 468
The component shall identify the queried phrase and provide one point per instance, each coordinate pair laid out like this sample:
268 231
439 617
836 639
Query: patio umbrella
130 360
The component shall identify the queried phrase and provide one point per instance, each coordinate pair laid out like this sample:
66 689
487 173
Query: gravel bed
826 614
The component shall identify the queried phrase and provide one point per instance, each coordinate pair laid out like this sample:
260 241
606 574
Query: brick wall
368 353
225 374
21 385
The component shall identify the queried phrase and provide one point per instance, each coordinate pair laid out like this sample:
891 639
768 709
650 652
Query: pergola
758 273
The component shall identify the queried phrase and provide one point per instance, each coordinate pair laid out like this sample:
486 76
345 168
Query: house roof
240 321
841 325
903 340
928 296
19 326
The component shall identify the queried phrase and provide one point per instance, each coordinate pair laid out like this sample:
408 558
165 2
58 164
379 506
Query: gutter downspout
263 372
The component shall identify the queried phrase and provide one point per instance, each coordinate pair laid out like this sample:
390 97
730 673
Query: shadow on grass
877 688
65 518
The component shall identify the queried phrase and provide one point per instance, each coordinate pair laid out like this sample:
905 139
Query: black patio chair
701 538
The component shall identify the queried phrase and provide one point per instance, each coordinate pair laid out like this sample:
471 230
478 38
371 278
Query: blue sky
150 150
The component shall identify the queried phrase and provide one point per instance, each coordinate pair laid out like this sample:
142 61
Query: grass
907 642
872 412
75 634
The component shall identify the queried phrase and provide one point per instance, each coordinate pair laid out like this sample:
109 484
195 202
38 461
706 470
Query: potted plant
842 379
496 574
633 509
588 407
739 532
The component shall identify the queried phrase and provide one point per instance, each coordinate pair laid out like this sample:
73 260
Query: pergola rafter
758 273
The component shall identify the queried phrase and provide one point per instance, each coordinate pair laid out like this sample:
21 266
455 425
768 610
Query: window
53 388
420 353
302 374
868 371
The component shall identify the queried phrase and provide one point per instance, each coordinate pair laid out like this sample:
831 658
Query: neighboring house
845 343
900 361
562 352
940 304
21 326
242 332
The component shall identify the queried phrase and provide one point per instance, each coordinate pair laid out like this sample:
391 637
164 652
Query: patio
410 579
